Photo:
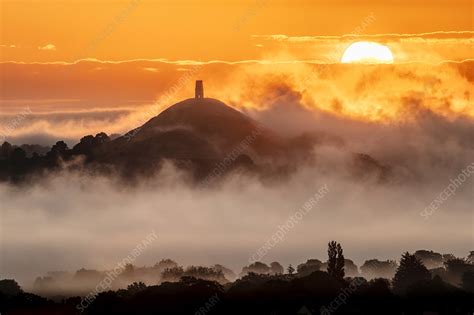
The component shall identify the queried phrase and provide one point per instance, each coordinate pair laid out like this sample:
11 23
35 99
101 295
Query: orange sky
67 30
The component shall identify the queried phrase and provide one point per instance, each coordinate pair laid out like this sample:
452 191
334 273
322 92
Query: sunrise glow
236 157
367 52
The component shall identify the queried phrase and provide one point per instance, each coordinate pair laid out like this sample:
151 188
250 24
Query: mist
71 220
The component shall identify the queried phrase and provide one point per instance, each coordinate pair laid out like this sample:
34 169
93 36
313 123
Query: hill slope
202 132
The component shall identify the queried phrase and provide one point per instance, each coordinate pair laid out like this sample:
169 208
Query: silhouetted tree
435 288
257 267
335 260
88 143
5 150
136 287
18 155
307 268
228 273
447 257
290 269
31 149
377 288
10 287
375 268
101 137
172 274
470 258
85 145
456 268
468 281
254 294
165 263
430 258
410 271
350 268
276 268
205 273
58 150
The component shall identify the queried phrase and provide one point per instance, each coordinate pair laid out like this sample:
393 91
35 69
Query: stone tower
199 92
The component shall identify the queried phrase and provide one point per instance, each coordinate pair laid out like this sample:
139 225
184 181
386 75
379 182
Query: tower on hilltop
199 91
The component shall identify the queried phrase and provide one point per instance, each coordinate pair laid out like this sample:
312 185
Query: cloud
9 46
46 128
51 47
432 35
150 69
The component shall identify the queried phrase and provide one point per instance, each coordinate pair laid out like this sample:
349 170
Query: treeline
314 287
446 266
20 162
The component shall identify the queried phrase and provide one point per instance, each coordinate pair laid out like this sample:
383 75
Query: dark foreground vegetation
312 288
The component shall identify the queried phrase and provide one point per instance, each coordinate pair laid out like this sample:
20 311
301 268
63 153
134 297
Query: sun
367 52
